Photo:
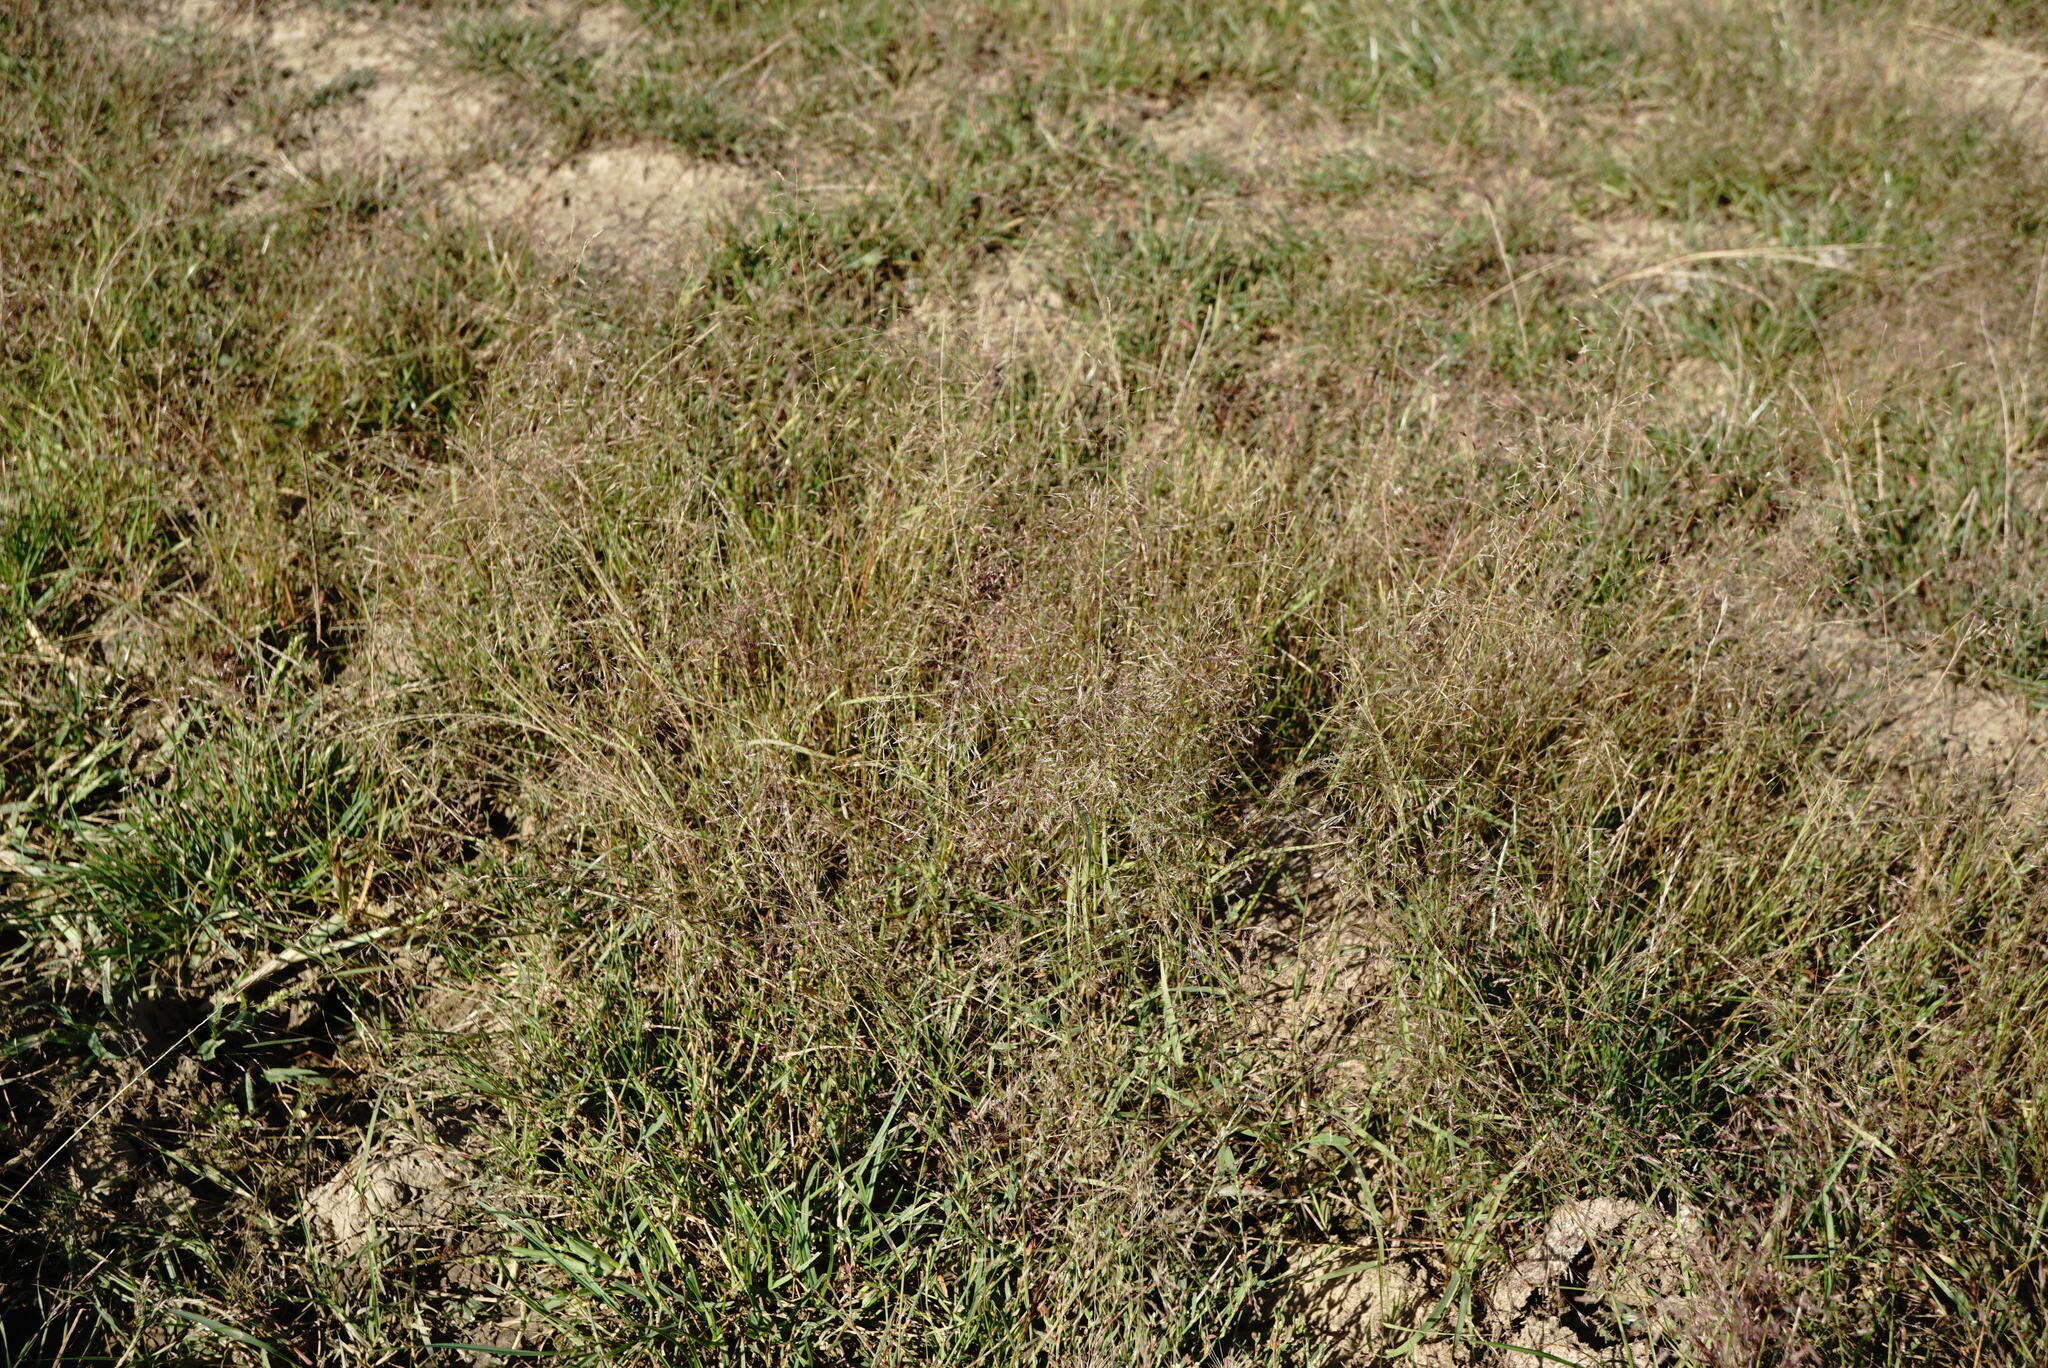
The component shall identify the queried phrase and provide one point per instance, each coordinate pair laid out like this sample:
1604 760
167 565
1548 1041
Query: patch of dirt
1610 1283
409 1189
131 641
1318 978
635 208
516 1336
1011 315
1908 710
1634 248
129 31
1914 712
1981 75
1961 72
408 121
1246 136
375 90
1360 1306
488 1004
948 87
1400 222
379 93
1318 995
1652 259
1696 389
604 27
318 48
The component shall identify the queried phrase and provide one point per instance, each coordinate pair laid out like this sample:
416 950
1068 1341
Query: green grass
792 815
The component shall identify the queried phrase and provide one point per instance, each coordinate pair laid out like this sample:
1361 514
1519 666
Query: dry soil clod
408 1189
1358 1305
1611 1284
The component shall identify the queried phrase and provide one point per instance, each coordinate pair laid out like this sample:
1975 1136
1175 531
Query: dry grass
1063 683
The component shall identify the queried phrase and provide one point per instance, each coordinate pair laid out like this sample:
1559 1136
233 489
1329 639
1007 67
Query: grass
793 804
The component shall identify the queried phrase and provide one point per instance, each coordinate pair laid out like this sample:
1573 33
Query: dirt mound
1012 314
1908 710
1914 712
1983 76
633 208
408 1188
362 91
1244 135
